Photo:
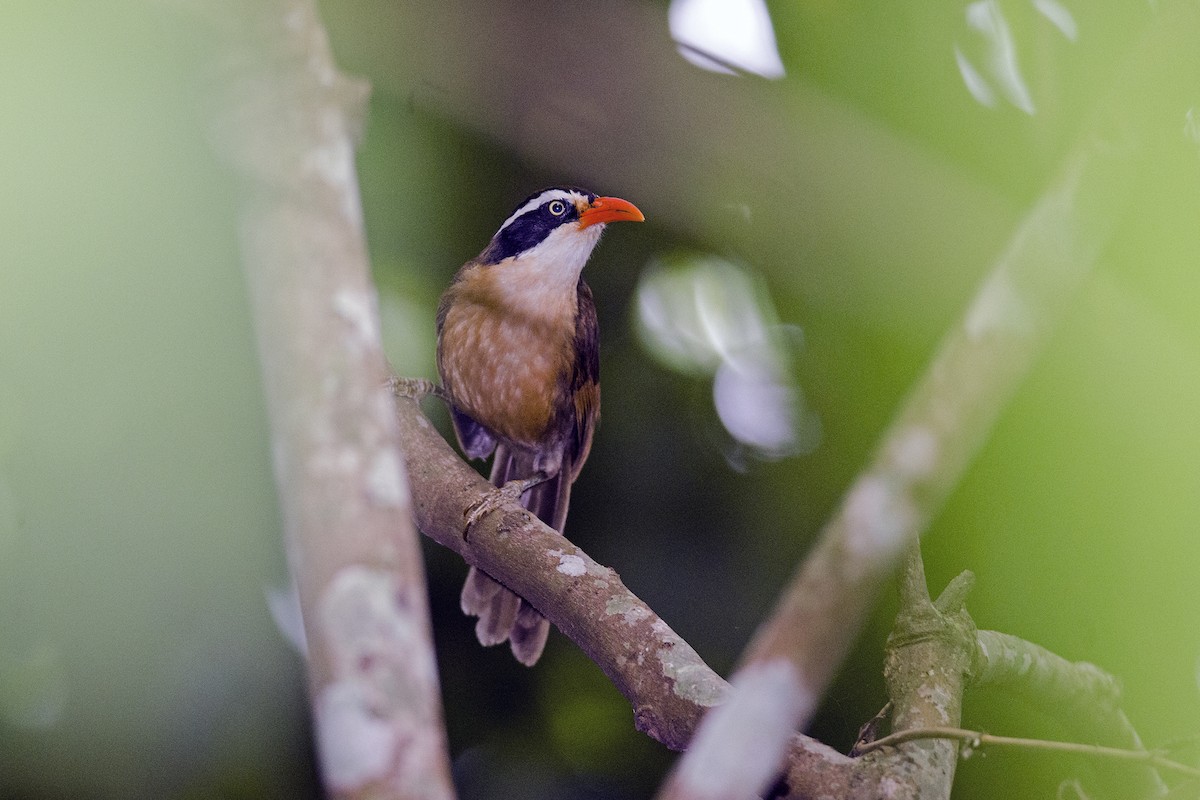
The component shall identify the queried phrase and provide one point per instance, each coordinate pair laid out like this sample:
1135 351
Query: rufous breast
511 364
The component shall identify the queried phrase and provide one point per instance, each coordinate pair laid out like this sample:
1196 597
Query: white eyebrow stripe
550 194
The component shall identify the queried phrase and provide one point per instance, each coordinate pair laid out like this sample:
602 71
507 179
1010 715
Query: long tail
502 614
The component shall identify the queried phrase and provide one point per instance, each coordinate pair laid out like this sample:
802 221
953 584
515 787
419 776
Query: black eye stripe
532 222
528 230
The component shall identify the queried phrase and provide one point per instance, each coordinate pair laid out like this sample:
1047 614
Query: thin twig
869 731
977 739
1088 698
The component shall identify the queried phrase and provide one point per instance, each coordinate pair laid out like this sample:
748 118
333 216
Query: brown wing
585 381
475 440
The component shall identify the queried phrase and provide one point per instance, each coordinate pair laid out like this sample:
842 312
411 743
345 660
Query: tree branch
928 657
928 446
946 418
975 372
934 650
283 120
666 682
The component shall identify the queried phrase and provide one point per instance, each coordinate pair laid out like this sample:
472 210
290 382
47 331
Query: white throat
540 278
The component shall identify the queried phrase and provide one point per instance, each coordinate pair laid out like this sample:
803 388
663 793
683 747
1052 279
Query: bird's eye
558 208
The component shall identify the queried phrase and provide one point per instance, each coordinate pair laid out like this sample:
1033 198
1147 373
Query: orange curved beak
610 209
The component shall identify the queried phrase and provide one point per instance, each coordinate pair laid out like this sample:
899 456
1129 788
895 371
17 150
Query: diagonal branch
946 418
953 407
928 446
667 683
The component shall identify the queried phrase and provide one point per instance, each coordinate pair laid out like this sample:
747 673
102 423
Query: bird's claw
493 500
414 388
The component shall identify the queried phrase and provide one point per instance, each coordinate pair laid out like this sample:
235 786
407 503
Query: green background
862 198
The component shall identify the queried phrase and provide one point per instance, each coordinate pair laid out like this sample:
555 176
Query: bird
518 357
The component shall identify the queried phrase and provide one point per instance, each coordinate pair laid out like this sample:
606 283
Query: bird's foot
508 493
415 388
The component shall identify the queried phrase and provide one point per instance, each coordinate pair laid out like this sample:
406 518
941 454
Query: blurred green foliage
138 528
